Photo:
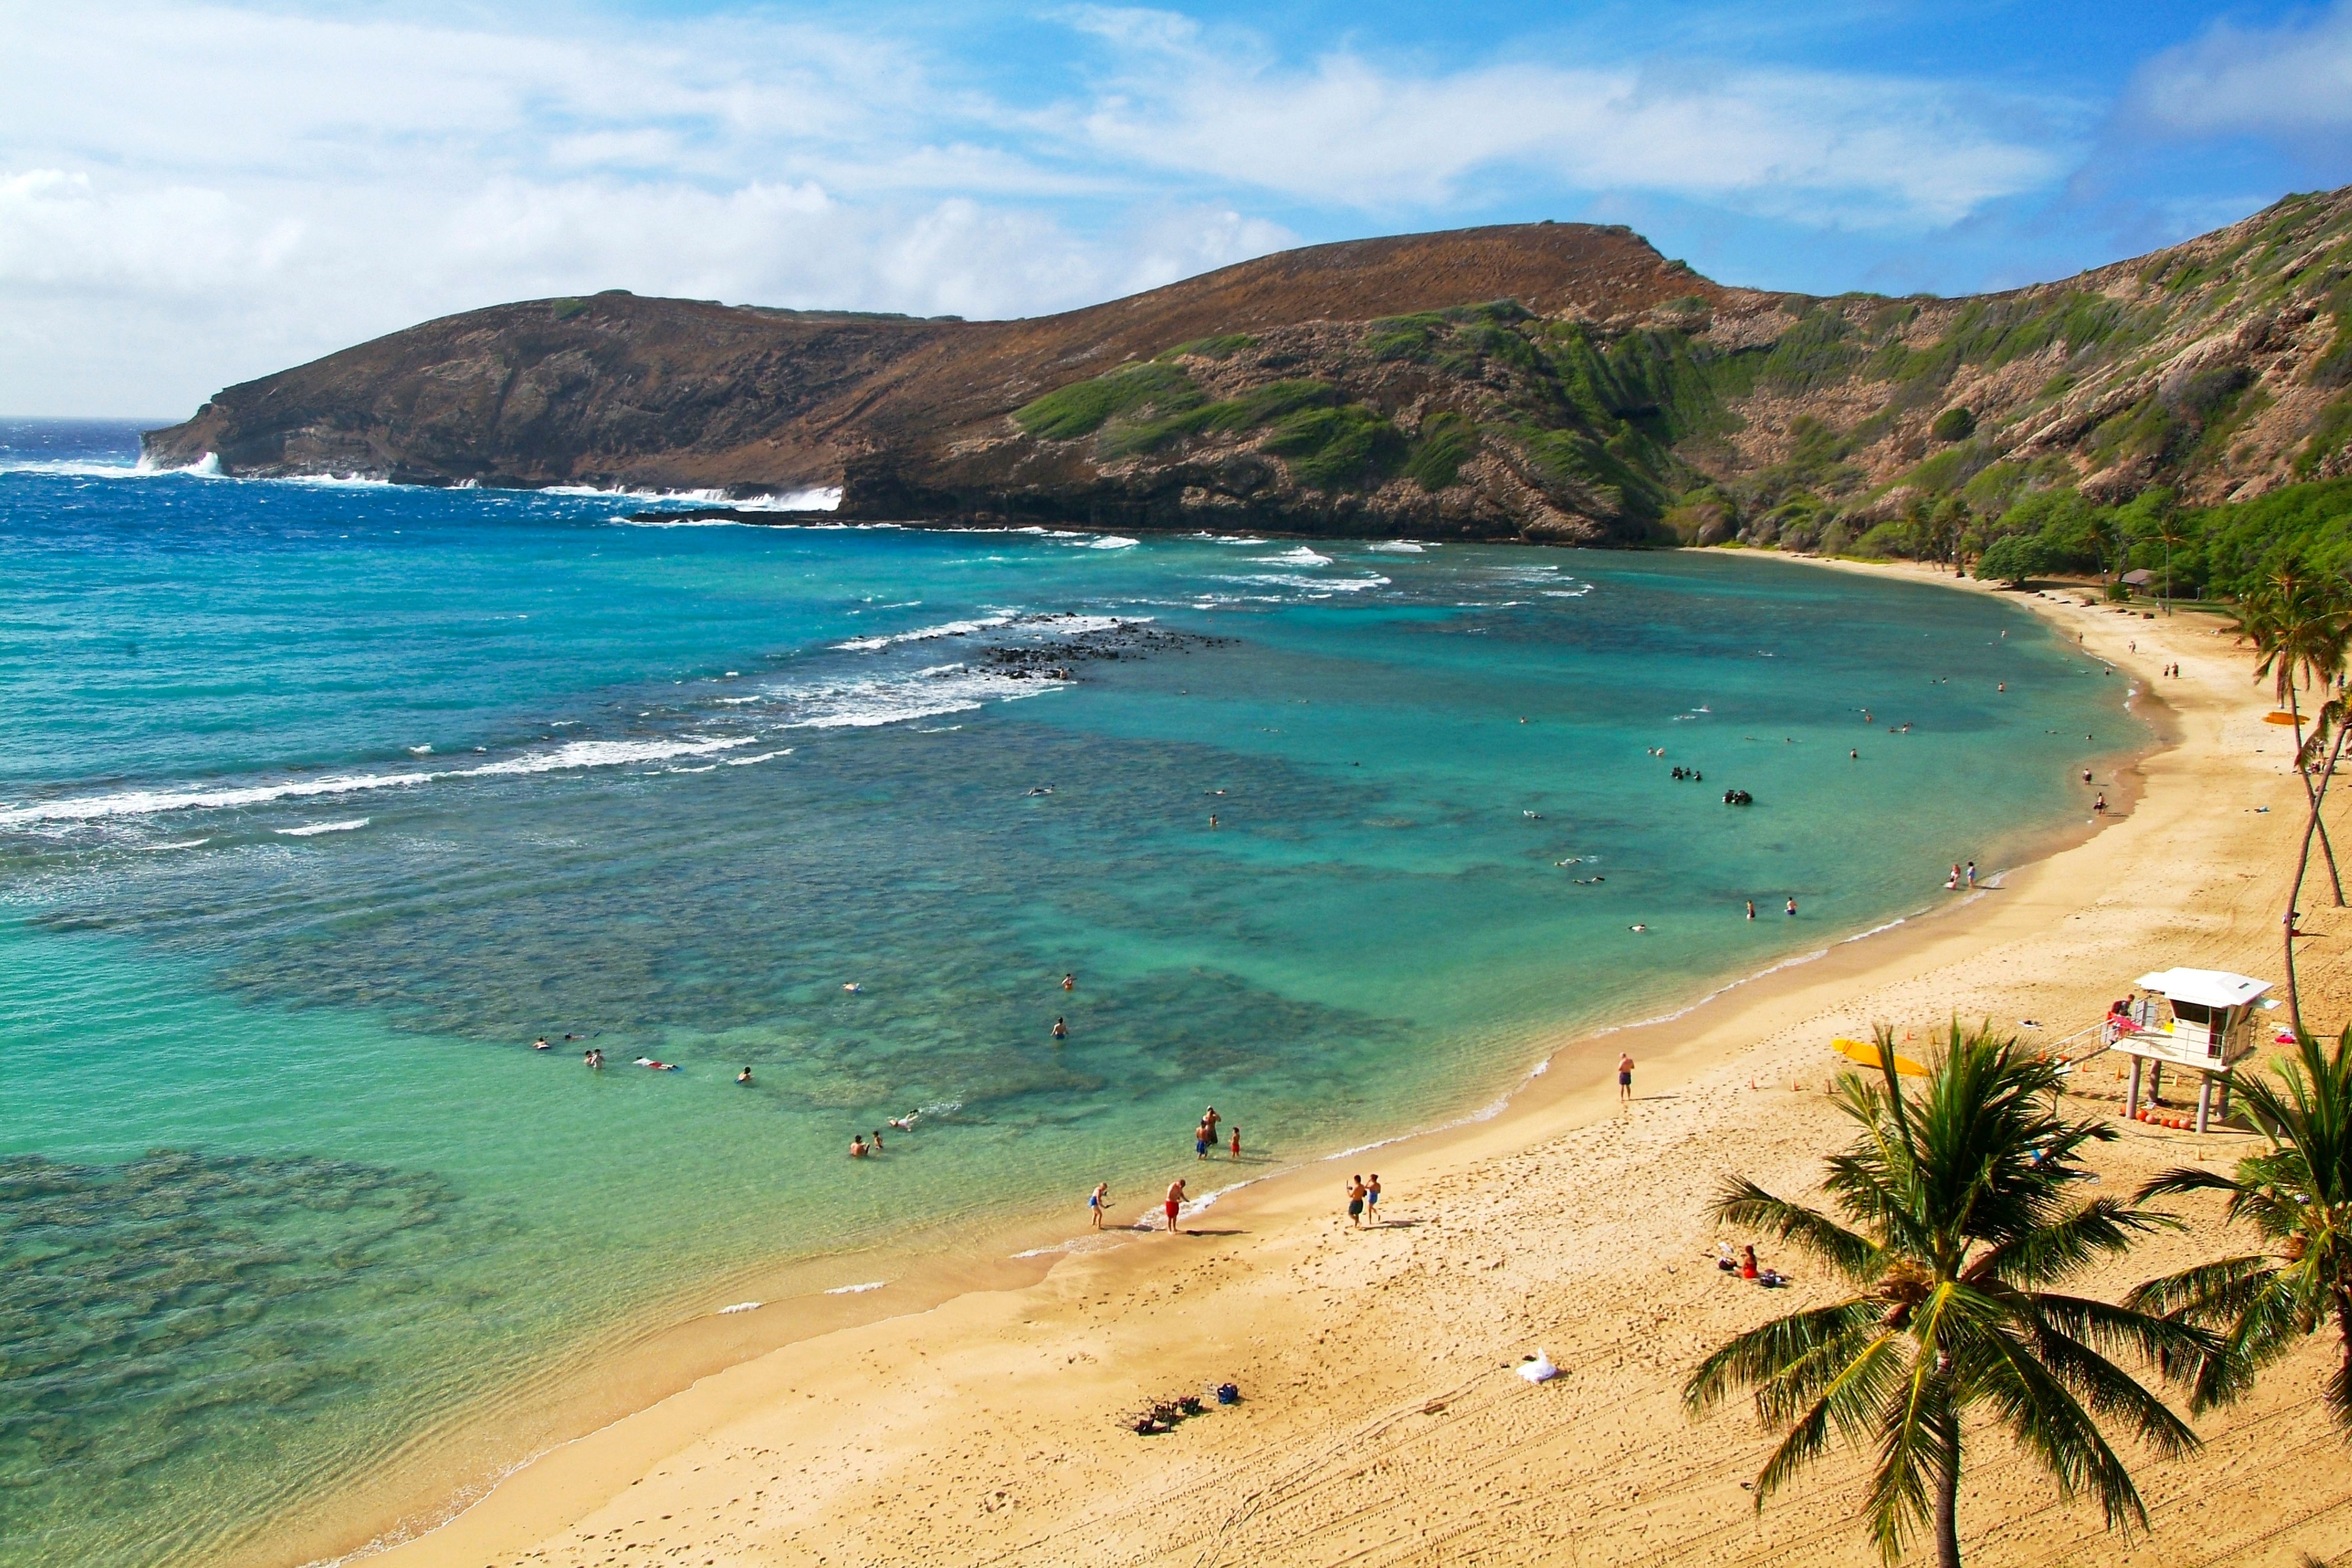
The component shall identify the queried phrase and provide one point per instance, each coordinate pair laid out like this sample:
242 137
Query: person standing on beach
1175 1200
1972 875
1356 1201
1372 1199
1201 1142
1624 1075
1096 1199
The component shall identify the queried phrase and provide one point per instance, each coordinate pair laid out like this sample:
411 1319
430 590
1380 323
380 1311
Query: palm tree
2297 1193
1956 1221
2301 627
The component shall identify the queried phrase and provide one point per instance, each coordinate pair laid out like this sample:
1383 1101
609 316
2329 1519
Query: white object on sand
1540 1370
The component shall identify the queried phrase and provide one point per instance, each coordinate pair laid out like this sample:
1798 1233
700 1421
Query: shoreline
564 1480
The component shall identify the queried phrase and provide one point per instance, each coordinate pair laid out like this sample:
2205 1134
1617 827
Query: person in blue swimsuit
1096 1199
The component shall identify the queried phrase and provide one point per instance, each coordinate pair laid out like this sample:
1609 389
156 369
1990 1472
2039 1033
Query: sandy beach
1380 1420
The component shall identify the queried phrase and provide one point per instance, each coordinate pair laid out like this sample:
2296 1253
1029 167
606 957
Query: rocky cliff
1558 381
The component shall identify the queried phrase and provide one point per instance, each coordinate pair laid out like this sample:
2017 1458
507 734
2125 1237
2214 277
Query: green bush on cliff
1262 405
1343 449
1446 442
1080 408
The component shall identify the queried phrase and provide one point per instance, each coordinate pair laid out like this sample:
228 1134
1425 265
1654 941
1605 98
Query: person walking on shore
1372 1199
1625 1075
1356 1201
1175 1200
1094 1202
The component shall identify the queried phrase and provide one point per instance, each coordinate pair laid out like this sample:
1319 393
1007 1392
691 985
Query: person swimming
541 1044
905 1123
744 1076
656 1066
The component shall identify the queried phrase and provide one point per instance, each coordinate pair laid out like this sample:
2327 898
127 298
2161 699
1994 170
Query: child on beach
1237 1143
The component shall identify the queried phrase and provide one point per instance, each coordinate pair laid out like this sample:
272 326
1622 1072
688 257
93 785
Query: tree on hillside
2011 558
1956 1221
2301 626
2297 1194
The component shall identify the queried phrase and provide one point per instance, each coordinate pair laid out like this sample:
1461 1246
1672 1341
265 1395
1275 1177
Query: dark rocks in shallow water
1052 660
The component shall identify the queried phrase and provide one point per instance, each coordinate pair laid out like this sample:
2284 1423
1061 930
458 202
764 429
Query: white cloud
2294 80
1857 149
192 194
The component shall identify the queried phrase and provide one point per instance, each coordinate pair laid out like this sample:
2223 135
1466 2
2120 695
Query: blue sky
192 194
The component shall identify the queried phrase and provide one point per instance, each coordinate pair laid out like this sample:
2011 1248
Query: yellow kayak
1866 1052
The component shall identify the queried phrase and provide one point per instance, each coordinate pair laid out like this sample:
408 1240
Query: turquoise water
319 802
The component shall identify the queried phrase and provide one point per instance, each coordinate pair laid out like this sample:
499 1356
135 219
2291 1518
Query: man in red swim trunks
1175 1202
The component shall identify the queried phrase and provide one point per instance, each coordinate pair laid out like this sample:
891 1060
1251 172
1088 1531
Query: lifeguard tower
2208 1031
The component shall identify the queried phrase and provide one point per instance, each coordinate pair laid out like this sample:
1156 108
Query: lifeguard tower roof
2204 988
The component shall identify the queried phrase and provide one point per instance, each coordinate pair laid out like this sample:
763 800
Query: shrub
2011 559
1447 441
1954 423
1336 448
1080 408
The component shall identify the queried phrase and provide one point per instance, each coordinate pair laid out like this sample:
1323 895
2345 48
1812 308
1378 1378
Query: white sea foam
857 1290
868 702
1299 555
313 830
925 634
1113 541
76 468
1312 584
817 498
182 845
763 757
741 1307
1399 546
572 755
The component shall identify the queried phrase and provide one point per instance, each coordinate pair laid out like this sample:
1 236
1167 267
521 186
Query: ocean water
319 802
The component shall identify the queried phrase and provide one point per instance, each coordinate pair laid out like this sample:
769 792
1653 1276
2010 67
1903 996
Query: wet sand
1379 1421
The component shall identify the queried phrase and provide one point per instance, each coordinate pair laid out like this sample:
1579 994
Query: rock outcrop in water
1546 382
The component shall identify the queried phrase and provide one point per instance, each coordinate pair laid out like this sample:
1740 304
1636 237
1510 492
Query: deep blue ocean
319 802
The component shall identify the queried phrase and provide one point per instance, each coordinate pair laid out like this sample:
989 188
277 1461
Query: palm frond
1742 1203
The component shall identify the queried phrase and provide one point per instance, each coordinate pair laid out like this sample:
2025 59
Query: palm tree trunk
2311 796
2293 901
2319 798
1948 1499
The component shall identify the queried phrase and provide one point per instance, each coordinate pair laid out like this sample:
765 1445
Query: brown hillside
1554 380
